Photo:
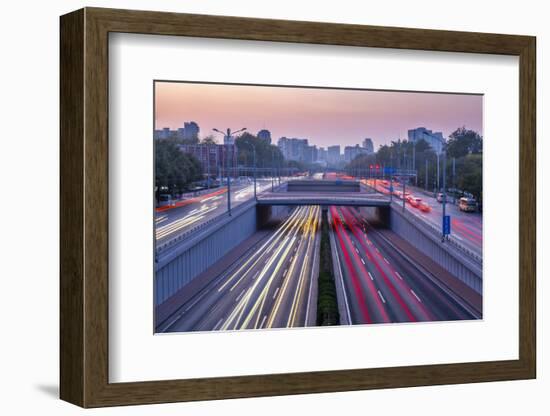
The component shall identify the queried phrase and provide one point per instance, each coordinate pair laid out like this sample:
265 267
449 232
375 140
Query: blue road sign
446 225
389 170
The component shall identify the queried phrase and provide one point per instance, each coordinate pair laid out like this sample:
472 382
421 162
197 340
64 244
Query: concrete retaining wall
187 260
464 267
194 256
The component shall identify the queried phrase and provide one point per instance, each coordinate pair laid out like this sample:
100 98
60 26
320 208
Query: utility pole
444 195
391 188
414 163
207 166
403 196
254 156
227 136
426 176
437 181
272 172
454 182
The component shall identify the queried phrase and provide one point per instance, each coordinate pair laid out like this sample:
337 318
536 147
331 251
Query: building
435 140
351 152
189 132
213 157
322 154
333 155
163 133
265 135
294 148
368 145
310 154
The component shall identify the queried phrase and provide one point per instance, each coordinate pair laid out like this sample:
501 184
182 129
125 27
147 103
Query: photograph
282 206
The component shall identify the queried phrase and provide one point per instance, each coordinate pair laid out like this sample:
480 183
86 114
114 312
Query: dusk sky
323 116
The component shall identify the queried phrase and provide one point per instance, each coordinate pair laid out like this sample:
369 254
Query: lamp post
227 136
272 167
444 197
426 176
254 157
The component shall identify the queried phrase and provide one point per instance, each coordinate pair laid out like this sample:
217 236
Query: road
381 285
269 287
176 221
466 227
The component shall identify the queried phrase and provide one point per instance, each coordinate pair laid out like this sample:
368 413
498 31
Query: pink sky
323 116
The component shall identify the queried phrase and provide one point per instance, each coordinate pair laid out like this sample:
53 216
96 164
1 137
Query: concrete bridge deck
362 199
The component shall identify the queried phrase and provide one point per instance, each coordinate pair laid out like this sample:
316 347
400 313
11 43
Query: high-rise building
322 154
212 156
351 152
333 154
189 132
265 135
293 148
310 154
434 139
368 145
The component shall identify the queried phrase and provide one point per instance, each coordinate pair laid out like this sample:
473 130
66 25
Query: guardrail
437 232
243 206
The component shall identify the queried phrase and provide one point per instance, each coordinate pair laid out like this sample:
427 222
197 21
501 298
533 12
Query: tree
469 175
267 155
174 170
210 139
463 142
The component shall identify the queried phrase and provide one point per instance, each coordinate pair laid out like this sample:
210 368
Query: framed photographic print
255 207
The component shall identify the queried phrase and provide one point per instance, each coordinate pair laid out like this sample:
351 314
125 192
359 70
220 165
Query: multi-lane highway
269 287
175 221
466 227
380 284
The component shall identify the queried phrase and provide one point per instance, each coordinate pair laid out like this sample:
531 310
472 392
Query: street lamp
226 138
254 161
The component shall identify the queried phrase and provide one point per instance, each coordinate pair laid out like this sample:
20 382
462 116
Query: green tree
267 155
463 142
174 170
210 139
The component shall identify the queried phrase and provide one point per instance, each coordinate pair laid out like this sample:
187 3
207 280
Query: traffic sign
389 170
446 225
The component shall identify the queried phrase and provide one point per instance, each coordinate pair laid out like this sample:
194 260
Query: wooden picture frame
84 207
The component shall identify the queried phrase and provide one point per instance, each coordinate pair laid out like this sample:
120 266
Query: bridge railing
242 206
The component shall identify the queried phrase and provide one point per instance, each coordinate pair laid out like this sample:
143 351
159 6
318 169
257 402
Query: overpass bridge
361 199
324 192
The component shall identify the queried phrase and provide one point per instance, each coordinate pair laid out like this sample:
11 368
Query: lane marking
263 321
356 250
362 261
276 291
218 324
398 275
370 275
416 296
386 260
284 273
381 297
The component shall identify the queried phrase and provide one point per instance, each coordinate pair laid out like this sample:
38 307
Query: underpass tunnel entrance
377 216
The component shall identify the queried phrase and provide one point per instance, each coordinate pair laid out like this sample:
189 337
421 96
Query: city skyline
323 116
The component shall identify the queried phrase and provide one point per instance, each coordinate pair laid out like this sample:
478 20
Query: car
415 201
467 205
424 207
165 200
